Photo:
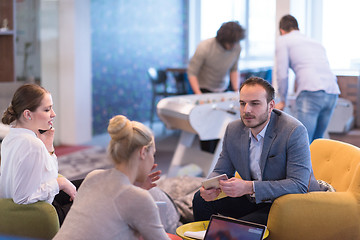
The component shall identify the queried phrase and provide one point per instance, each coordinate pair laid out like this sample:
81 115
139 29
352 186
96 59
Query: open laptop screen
229 229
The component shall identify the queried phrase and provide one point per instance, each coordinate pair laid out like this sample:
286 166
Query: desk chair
160 88
180 81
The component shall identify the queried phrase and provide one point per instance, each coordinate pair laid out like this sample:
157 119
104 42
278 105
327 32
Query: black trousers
240 208
62 202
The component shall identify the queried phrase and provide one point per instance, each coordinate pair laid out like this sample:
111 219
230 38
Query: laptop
225 228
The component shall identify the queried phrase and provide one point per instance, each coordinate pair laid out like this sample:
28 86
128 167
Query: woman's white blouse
28 172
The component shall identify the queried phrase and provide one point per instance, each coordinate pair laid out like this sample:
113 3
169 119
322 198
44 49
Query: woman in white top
108 204
29 167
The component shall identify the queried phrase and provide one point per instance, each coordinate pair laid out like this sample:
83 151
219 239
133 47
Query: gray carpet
78 164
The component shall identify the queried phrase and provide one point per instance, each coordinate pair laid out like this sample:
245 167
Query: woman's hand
150 180
48 139
67 187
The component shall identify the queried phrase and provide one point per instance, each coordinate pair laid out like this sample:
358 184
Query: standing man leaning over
214 58
269 149
316 86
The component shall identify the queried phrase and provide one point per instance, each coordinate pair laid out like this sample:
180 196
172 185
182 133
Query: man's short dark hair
230 32
270 91
288 23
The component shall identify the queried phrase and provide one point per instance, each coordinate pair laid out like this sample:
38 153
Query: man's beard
261 120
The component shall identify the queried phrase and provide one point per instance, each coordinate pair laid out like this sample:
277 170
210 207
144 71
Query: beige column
66 67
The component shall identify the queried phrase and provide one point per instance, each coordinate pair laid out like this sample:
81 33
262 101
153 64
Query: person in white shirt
316 86
109 205
29 167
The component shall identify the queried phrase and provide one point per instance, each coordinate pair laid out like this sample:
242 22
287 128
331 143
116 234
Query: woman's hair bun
11 111
120 127
9 115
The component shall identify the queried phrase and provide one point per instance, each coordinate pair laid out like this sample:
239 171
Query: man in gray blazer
269 149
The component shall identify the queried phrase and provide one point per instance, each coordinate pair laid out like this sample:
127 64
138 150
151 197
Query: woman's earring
29 118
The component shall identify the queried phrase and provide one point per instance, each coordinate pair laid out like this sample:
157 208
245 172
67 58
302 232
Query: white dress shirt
256 146
307 58
28 172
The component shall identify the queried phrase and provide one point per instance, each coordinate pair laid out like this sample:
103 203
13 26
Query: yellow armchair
323 215
37 220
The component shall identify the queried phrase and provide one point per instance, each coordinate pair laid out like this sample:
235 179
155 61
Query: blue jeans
314 110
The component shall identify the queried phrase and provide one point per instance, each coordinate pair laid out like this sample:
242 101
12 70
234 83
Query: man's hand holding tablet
210 189
214 181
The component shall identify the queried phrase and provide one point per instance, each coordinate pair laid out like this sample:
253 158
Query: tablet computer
214 181
221 227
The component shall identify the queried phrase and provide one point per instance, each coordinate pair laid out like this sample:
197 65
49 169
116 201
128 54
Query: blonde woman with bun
108 204
29 167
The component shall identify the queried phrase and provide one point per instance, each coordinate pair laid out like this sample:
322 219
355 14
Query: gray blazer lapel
269 138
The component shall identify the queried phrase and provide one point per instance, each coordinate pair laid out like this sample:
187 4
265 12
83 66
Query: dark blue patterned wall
128 37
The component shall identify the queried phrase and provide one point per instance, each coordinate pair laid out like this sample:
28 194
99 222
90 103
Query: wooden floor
352 137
